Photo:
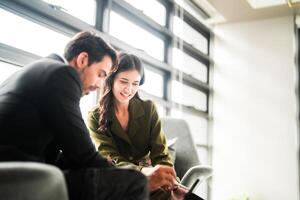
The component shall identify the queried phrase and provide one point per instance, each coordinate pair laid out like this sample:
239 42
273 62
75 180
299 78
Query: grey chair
187 164
29 180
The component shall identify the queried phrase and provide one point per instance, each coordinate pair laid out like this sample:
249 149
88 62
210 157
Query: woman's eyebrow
126 79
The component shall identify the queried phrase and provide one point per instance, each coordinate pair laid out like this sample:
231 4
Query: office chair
29 180
187 164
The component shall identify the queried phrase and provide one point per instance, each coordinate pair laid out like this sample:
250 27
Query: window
203 155
190 35
189 65
82 9
87 102
154 83
29 36
147 7
197 125
160 110
188 96
134 35
189 9
6 70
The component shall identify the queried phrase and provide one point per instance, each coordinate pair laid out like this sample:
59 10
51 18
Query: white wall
254 111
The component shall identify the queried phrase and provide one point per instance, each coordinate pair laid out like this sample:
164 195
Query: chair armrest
30 180
201 172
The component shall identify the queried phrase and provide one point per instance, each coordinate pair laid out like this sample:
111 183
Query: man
40 115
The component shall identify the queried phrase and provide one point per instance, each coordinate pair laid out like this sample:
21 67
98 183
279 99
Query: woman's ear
82 60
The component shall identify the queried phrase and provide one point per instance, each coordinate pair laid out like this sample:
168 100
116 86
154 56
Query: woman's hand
180 191
160 176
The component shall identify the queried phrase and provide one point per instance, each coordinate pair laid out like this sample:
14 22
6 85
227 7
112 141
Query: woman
128 131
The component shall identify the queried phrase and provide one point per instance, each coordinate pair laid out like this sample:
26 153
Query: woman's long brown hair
106 105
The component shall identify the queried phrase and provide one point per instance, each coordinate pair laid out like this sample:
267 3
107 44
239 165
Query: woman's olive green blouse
145 138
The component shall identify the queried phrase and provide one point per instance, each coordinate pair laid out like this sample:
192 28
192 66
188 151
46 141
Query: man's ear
82 60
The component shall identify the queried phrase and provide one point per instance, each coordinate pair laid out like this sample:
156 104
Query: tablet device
190 195
193 186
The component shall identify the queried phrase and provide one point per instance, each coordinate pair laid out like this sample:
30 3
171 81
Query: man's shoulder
48 68
48 65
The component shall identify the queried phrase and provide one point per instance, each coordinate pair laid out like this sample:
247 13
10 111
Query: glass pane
87 102
190 35
188 96
189 9
147 7
134 35
30 36
197 125
82 9
6 70
160 110
203 155
189 65
153 83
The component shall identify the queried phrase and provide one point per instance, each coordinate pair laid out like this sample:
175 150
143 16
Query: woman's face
126 85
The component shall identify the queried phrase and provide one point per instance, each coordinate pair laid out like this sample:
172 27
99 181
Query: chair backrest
30 180
186 154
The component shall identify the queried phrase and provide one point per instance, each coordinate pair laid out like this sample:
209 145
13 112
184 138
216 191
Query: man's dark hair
92 44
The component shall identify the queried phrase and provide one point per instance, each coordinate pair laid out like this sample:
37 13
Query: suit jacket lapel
136 110
118 130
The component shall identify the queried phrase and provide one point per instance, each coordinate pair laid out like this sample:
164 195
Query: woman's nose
127 89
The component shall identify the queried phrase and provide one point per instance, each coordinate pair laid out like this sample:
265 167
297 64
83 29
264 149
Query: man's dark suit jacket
39 109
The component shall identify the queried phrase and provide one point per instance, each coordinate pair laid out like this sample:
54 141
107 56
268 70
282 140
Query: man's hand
179 191
160 176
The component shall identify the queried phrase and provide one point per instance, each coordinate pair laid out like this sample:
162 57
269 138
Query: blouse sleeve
159 151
